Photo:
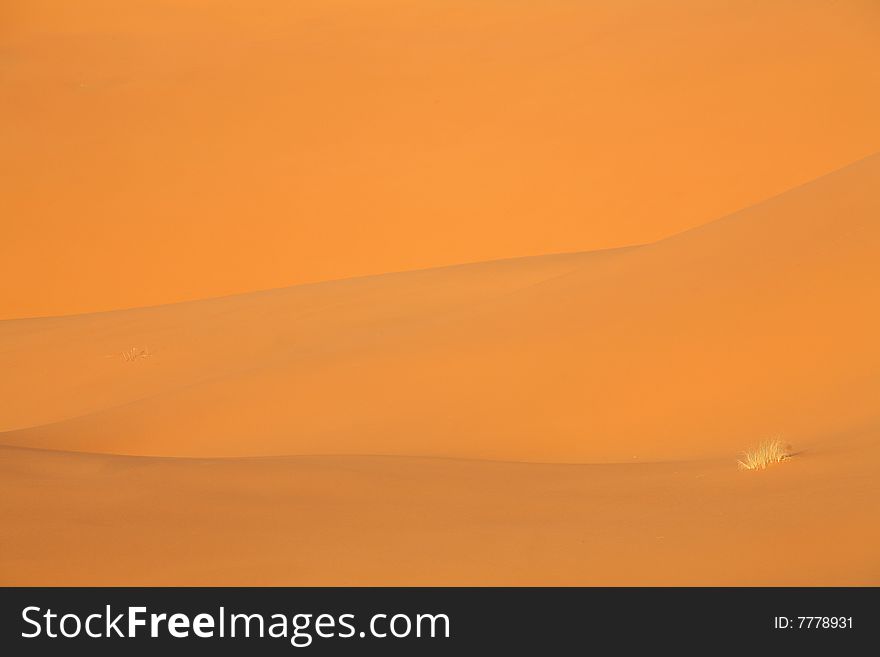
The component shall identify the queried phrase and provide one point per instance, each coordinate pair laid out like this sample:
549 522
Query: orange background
161 151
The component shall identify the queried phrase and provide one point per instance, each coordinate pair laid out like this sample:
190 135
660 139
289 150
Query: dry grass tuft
767 453
133 354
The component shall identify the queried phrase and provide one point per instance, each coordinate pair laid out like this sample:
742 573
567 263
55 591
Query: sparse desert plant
768 452
134 353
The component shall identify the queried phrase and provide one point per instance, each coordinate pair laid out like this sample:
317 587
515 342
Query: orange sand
162 150
552 419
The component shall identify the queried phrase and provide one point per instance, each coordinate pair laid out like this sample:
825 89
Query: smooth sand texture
91 519
235 347
633 376
693 347
162 150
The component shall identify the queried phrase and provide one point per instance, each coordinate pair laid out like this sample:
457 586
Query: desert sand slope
97 519
693 347
197 149
612 389
556 419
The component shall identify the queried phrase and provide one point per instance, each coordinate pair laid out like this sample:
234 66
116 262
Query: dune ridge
121 520
478 360
195 149
572 419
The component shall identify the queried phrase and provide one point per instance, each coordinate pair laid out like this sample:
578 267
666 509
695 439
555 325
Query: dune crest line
534 359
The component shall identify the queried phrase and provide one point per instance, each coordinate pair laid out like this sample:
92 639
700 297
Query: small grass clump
133 354
767 453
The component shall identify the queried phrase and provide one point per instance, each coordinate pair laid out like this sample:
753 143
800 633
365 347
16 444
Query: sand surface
584 414
689 279
191 149
368 520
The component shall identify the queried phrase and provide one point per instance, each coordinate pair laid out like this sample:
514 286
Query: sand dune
692 347
640 373
196 149
96 519
376 416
